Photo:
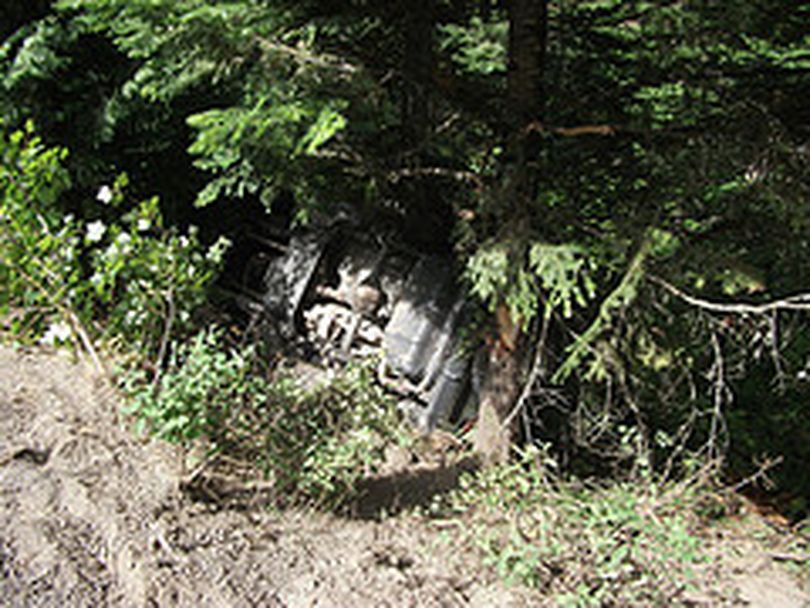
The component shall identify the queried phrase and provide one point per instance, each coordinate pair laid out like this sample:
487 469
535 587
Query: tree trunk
527 49
505 356
499 393
418 67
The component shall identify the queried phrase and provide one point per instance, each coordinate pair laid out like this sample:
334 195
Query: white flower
95 231
217 251
111 252
57 332
105 195
144 224
124 243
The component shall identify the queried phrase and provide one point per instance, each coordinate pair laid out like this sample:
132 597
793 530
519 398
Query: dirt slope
90 516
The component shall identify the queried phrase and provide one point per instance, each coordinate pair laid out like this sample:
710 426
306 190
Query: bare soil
92 516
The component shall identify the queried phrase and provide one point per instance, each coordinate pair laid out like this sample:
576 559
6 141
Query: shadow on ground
408 489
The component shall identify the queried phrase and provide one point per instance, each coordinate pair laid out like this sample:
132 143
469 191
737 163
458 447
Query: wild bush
320 442
132 280
314 444
39 262
620 544
201 388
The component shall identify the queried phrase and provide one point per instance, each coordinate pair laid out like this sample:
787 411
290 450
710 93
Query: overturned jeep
339 292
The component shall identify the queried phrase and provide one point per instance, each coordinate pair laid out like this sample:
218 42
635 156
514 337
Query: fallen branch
790 557
759 475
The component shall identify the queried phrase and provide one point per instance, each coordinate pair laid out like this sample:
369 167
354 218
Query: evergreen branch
624 293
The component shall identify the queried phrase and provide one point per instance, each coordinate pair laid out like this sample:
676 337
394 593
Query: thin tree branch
306 57
538 367
721 396
797 302
461 176
761 474
776 357
171 313
798 558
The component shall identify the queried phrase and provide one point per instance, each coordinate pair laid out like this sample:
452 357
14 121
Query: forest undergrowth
128 292
622 187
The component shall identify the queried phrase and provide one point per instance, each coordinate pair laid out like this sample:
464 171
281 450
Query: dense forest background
625 185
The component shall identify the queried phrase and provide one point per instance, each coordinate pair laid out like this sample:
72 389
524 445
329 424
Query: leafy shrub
617 545
201 388
151 278
40 271
320 442
314 444
133 280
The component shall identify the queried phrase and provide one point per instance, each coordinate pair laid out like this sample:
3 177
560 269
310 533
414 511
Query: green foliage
622 544
149 278
52 70
135 280
478 47
39 248
289 129
326 440
202 385
38 56
555 274
617 300
315 444
669 143
280 110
